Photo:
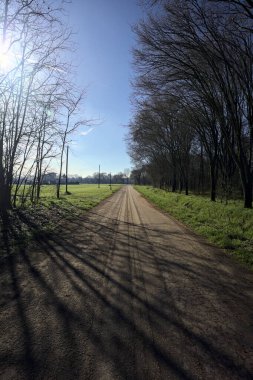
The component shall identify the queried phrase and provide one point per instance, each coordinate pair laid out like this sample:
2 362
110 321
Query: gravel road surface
125 292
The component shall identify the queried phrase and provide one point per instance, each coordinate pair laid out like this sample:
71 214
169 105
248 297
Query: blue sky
103 67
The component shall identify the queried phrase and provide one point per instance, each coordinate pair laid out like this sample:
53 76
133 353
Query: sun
4 61
7 59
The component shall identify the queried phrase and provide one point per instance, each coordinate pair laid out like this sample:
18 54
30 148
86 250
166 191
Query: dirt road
124 292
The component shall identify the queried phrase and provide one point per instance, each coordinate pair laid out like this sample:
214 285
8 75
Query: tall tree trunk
5 201
213 177
247 191
181 184
61 162
3 208
66 178
186 186
201 171
246 175
247 185
174 180
5 192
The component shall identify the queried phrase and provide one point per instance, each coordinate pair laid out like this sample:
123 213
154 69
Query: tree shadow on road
100 300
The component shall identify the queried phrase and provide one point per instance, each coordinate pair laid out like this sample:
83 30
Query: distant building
50 178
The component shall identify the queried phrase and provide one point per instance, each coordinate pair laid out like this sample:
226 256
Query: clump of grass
228 226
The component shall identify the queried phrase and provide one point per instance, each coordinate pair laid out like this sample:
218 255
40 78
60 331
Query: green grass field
81 196
228 226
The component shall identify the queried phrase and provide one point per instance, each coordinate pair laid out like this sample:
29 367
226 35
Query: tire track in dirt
109 217
156 299
208 357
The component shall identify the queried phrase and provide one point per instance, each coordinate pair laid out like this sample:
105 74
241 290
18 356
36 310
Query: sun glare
4 62
7 58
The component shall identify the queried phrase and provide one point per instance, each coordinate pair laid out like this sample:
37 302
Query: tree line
107 178
38 99
192 126
51 178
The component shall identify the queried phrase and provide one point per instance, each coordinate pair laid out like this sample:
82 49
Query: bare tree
70 105
204 49
32 94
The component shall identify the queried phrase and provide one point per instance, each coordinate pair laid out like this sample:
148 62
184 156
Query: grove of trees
193 118
38 100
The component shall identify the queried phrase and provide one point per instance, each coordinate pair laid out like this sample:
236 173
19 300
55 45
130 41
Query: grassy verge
228 226
31 221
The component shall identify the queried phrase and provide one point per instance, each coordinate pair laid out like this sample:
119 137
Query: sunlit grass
228 226
81 196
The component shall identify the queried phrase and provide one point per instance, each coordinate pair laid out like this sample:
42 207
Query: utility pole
110 181
67 163
99 176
